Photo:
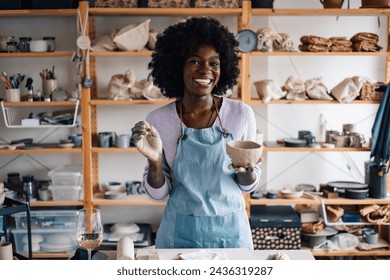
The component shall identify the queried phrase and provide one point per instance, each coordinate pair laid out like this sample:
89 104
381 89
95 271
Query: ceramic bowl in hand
38 46
244 153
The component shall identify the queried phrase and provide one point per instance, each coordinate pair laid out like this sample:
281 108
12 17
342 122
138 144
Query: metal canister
30 186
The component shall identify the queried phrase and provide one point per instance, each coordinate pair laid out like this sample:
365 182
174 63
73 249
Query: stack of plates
294 142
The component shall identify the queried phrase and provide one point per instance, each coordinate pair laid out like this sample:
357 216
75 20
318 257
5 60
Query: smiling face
201 71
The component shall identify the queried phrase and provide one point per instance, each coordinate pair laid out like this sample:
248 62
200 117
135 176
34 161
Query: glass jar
12 46
13 180
24 44
51 43
30 186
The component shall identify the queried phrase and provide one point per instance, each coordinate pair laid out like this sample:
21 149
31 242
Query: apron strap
183 136
225 134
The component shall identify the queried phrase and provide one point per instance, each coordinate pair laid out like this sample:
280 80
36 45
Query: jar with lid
30 186
13 180
51 43
12 46
24 44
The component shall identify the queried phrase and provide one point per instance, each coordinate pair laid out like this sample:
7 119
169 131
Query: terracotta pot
332 4
375 3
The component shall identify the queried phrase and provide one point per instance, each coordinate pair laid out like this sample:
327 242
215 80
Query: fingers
139 131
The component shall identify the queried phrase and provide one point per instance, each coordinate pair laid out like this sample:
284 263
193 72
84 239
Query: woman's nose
205 67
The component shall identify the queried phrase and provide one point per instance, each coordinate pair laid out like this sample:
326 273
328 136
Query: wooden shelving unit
90 103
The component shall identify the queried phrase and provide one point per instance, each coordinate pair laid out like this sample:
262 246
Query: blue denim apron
206 208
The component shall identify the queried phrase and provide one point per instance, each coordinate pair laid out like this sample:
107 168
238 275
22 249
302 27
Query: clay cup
244 153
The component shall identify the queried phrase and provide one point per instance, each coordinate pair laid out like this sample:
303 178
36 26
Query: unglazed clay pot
244 153
332 4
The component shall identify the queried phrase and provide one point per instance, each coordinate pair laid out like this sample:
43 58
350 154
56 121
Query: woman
185 141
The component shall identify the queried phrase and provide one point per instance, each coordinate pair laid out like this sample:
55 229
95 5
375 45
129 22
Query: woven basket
375 3
116 3
369 92
218 3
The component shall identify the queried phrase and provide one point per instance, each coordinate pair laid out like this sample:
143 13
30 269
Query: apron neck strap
183 136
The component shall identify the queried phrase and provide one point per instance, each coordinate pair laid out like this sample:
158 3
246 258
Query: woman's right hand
147 140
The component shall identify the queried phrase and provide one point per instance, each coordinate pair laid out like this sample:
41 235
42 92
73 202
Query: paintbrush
6 82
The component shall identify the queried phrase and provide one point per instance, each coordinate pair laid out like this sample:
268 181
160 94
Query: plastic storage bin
46 240
65 193
68 175
47 219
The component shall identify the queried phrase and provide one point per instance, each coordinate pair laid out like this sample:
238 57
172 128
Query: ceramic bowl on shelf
66 145
38 46
113 186
244 153
291 194
114 194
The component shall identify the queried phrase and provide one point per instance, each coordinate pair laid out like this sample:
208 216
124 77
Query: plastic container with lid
68 175
65 193
47 219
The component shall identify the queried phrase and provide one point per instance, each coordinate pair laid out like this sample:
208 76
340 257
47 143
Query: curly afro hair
178 41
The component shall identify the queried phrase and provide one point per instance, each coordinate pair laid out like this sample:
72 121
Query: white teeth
203 81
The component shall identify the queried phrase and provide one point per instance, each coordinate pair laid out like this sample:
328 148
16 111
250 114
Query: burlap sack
366 46
315 40
340 41
313 228
315 89
340 48
334 213
268 90
313 48
116 3
365 36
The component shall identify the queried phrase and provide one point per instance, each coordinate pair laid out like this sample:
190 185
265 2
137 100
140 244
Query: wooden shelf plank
304 54
139 199
257 101
39 104
351 253
114 150
52 203
38 13
109 102
165 12
37 54
314 150
322 12
145 53
327 201
46 149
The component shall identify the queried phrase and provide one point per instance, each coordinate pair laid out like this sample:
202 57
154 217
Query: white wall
276 121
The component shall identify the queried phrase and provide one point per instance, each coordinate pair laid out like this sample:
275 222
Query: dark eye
214 64
194 61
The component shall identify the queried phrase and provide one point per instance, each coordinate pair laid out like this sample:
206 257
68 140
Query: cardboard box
275 227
